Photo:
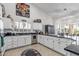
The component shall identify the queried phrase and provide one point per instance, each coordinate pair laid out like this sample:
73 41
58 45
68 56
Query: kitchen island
73 50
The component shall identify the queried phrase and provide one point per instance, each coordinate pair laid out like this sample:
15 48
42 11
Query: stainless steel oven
34 39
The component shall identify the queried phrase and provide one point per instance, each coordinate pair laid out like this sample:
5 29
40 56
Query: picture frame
23 9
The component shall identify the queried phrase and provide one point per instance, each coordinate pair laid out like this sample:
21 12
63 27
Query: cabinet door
28 39
48 41
7 23
21 41
39 27
51 43
8 42
39 38
56 44
61 48
14 42
44 40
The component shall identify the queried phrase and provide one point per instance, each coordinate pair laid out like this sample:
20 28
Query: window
23 25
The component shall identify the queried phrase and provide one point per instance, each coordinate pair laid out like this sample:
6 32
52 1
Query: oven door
34 39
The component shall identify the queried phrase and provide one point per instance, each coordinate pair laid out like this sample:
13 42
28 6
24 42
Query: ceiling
59 10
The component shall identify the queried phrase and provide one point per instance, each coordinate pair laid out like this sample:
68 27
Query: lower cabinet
16 41
55 43
45 40
40 39
8 42
27 39
21 41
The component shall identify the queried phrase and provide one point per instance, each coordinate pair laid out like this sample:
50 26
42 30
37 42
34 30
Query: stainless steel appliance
49 29
34 39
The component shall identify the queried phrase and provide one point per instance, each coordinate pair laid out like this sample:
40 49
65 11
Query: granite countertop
16 34
73 49
58 36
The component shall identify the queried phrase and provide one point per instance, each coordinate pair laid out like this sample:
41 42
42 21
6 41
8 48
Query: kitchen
39 29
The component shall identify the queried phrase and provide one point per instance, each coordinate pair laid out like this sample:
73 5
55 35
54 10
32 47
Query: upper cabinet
0 11
37 26
7 23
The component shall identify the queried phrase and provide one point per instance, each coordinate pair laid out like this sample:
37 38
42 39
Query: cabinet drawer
15 45
8 43
8 40
9 47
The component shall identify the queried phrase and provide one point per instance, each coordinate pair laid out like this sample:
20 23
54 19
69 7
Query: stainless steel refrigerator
49 29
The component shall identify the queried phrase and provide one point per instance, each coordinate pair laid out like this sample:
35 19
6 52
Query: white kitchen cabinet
40 38
37 26
49 42
55 43
7 23
65 43
61 43
24 40
61 48
21 41
52 43
27 39
45 40
16 41
8 42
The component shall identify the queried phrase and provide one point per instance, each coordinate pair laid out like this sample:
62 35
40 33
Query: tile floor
44 51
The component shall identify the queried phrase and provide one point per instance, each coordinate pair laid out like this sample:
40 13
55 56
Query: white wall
35 13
